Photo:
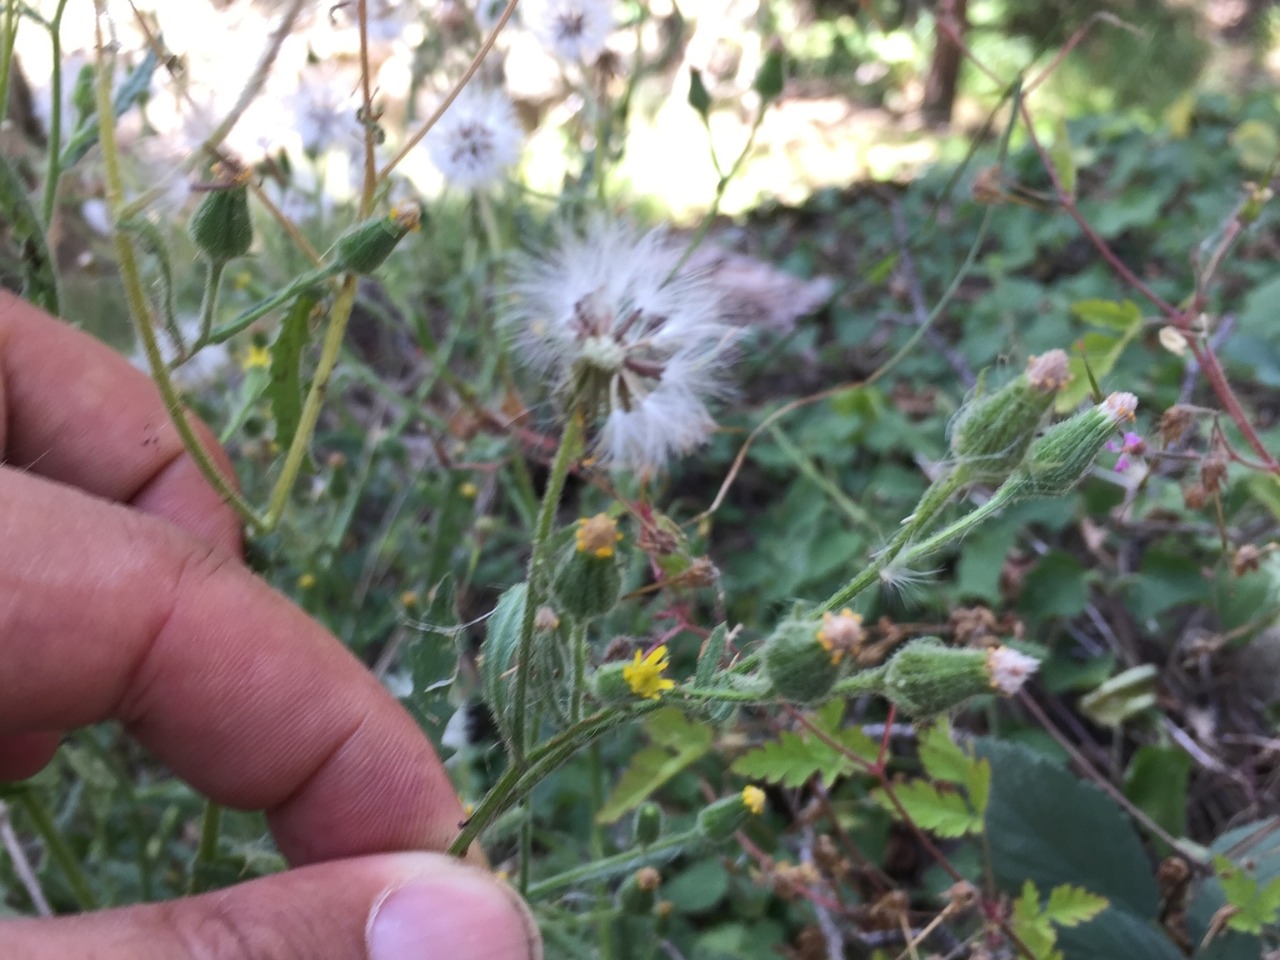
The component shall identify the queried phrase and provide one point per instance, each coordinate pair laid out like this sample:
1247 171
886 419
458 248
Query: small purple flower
1131 444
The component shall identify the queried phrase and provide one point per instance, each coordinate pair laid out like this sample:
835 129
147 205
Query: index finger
74 410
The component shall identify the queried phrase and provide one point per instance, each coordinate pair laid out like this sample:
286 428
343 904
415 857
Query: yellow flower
468 490
644 676
753 799
597 536
257 358
307 581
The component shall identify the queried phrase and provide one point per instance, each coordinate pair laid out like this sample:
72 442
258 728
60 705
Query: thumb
410 906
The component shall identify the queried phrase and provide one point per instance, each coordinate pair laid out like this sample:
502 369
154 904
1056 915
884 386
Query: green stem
7 42
538 764
57 847
723 694
140 309
53 170
207 851
595 773
864 681
539 561
661 851
329 352
961 528
578 640
208 303
263 307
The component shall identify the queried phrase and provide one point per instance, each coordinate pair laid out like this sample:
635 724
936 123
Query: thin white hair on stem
904 583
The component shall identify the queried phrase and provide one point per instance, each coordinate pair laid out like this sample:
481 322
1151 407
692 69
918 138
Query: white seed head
477 139
1009 669
601 307
574 31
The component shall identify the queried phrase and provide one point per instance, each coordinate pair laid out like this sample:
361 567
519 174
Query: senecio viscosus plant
632 349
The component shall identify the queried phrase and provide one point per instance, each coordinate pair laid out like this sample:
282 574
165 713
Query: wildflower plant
502 476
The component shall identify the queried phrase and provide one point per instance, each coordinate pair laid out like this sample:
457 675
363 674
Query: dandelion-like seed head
1009 669
477 139
574 31
626 338
644 674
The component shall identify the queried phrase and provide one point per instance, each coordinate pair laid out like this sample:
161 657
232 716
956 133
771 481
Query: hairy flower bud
1065 454
722 819
926 678
221 226
366 246
648 823
799 666
991 433
638 893
587 580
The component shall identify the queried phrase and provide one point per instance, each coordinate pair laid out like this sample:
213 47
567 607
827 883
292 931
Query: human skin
123 596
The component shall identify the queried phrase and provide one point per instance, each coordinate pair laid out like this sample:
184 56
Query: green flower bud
610 685
587 581
799 667
221 226
926 678
648 823
638 893
365 247
1064 455
722 819
991 433
83 96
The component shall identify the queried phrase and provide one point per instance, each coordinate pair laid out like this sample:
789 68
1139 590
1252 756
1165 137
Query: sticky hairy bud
648 823
365 247
1065 454
798 666
588 580
722 819
221 227
638 893
991 433
926 678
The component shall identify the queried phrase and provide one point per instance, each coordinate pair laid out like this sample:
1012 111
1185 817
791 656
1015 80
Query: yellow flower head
468 490
840 633
256 358
753 799
597 536
306 581
644 675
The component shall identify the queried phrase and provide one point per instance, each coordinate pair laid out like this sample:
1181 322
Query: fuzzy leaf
285 389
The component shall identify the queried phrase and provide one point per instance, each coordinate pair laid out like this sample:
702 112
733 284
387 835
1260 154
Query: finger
24 755
106 612
74 410
394 907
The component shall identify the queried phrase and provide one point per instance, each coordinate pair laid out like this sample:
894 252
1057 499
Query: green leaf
1257 904
677 743
1070 906
1063 161
795 757
1030 925
1123 697
1156 781
1098 351
285 389
945 760
943 812
699 98
129 92
39 281
1057 586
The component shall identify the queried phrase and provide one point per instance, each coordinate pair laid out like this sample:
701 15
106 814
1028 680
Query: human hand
123 595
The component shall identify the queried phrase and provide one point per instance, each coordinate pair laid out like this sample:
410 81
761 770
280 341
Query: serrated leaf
1070 906
945 813
677 743
947 761
1030 924
792 760
699 98
285 389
